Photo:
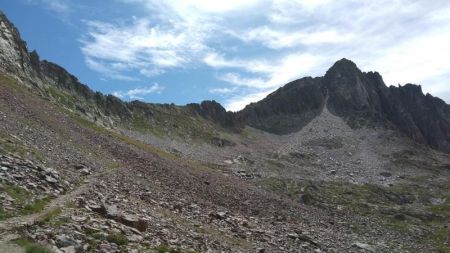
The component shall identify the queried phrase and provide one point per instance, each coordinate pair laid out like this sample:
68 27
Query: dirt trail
10 224
28 220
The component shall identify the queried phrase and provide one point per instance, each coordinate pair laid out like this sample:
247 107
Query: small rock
219 215
134 222
63 242
363 246
79 218
50 179
85 171
69 249
293 235
107 248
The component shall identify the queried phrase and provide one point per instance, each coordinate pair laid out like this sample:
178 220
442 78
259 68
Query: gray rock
63 242
364 246
134 222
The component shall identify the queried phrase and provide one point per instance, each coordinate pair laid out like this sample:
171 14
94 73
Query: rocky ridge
362 99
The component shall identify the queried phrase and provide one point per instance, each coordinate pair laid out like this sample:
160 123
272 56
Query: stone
79 166
293 235
63 242
135 238
134 222
219 215
85 171
79 218
50 179
107 248
68 249
364 246
111 211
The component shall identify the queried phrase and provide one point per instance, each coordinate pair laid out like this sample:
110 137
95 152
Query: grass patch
3 214
36 206
53 219
117 238
167 249
441 240
10 144
441 209
19 194
61 97
31 247
96 234
402 226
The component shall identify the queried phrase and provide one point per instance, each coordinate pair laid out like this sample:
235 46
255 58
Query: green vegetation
402 208
3 214
37 206
173 122
12 83
19 194
167 249
21 202
53 218
31 247
20 197
61 97
12 144
94 234
117 238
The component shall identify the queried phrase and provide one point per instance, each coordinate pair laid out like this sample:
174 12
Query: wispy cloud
60 7
138 93
224 90
277 39
141 45
57 6
270 74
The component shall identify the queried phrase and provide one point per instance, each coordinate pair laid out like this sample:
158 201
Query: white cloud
223 90
277 39
149 49
111 71
239 102
273 74
57 6
137 93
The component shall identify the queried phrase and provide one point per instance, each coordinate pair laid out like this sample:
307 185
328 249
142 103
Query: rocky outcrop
215 112
288 109
362 99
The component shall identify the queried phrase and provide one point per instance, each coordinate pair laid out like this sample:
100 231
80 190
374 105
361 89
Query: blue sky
235 52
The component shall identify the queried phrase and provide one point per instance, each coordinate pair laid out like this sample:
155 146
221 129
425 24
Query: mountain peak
343 67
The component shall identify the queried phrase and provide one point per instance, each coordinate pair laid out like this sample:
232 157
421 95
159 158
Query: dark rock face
288 109
215 112
362 99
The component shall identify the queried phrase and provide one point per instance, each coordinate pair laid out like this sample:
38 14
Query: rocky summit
339 163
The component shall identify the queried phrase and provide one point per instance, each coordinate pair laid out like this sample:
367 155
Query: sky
234 51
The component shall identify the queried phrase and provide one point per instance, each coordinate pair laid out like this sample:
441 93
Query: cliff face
361 99
288 109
